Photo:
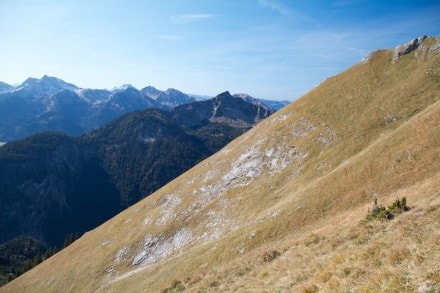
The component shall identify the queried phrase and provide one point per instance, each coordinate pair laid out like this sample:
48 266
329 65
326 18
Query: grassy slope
287 216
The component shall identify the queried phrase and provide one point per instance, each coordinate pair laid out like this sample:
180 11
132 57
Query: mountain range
288 206
54 185
51 104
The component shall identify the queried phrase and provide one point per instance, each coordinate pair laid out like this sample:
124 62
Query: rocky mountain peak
151 92
46 85
224 95
124 87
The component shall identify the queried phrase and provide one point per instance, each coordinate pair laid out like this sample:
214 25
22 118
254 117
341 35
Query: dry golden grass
281 208
344 255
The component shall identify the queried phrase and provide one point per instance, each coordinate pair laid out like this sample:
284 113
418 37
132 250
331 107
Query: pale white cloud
285 10
171 37
275 6
189 18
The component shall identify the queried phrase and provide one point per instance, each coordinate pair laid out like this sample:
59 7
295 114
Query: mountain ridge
47 104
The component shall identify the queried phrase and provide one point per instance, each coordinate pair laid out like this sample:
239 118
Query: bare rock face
408 47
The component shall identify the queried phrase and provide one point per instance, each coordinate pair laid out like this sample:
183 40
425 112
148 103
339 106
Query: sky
269 49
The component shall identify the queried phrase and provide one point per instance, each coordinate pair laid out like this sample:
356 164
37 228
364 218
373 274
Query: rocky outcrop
408 47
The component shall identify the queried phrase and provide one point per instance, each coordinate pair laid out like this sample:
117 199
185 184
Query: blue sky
267 48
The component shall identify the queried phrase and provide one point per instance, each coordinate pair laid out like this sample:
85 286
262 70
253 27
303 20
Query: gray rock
420 213
408 47
427 287
390 118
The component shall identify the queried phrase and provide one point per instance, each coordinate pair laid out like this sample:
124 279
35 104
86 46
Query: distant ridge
51 104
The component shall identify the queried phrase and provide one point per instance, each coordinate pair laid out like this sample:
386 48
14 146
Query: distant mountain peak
124 87
224 108
172 90
46 85
224 94
258 102
30 81
33 105
4 87
151 92
172 98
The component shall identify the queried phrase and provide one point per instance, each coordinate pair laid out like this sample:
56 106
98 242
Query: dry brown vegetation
281 207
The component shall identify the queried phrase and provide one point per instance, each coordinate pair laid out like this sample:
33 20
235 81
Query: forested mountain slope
54 186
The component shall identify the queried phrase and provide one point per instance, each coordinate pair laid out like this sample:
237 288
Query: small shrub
312 239
399 206
271 255
176 286
310 289
382 213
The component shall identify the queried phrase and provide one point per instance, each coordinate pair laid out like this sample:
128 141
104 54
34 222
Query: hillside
281 208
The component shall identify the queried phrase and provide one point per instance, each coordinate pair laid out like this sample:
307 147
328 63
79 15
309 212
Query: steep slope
280 208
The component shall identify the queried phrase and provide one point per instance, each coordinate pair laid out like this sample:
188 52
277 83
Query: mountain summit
45 86
283 207
222 108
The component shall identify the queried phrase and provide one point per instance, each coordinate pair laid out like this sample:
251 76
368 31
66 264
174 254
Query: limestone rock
408 47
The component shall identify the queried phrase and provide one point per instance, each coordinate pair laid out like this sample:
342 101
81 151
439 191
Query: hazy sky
267 48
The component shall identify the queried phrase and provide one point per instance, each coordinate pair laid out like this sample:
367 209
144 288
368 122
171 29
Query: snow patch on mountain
45 86
123 87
